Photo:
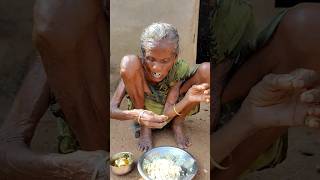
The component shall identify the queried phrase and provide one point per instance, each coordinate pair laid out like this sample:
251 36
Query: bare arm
115 111
172 99
195 95
30 104
226 139
17 161
147 118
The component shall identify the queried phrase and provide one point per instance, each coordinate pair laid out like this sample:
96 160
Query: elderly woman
160 87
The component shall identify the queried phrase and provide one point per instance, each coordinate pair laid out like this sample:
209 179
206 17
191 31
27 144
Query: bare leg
177 126
17 161
74 53
294 45
201 76
218 74
132 74
73 48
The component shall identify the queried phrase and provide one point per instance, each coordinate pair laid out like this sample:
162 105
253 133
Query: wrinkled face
158 61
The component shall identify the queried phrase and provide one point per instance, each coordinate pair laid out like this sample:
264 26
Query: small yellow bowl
121 163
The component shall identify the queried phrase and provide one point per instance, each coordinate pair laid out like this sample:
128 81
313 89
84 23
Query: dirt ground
196 128
16 52
303 158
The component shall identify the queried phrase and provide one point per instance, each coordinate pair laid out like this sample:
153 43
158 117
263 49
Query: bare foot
181 140
145 141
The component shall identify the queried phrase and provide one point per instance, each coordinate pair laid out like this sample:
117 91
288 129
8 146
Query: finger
205 85
311 96
304 78
278 81
202 87
298 79
312 122
205 98
150 116
206 91
164 118
155 125
159 118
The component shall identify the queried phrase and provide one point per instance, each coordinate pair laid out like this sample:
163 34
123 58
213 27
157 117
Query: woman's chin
156 80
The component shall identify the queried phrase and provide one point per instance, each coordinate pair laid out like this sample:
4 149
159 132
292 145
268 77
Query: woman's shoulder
181 68
131 56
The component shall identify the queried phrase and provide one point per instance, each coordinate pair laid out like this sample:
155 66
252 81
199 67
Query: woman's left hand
199 93
285 100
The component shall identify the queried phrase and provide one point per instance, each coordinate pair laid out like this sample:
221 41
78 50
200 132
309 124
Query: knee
42 27
45 20
297 33
130 66
46 31
301 17
303 11
204 71
61 23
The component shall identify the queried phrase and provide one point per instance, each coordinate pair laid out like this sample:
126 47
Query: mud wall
129 18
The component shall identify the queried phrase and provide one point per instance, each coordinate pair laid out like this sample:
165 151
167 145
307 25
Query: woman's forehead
163 47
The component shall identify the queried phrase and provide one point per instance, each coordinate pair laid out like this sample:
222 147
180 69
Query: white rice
162 169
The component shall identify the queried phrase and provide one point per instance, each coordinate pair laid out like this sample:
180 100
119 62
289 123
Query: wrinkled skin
72 39
294 45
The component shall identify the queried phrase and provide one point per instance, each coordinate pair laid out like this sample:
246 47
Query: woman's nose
156 66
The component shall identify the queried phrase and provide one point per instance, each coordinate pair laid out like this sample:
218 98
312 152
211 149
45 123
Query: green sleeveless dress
156 100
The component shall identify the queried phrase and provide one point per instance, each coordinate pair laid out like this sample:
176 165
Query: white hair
156 32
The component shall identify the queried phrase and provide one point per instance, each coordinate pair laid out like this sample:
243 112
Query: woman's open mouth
156 75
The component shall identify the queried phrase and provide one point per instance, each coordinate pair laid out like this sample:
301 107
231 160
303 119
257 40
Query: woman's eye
165 61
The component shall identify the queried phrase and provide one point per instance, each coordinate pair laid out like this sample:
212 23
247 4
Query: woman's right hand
151 119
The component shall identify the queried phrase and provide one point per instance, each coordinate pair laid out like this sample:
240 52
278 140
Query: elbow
111 114
112 111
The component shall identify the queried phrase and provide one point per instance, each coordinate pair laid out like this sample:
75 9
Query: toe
145 148
188 143
180 146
